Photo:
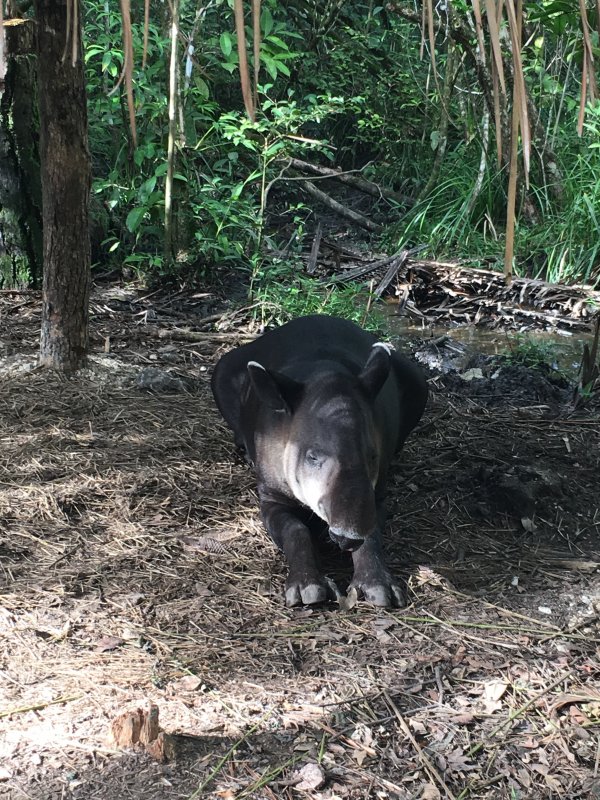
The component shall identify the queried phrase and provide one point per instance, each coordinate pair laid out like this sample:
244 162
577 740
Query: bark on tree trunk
66 179
20 189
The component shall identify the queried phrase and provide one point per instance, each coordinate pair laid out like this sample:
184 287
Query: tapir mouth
345 540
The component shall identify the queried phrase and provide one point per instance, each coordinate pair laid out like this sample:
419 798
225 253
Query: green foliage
283 292
567 241
225 163
534 353
450 220
14 271
346 85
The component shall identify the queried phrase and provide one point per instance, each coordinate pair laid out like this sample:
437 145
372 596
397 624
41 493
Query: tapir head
330 459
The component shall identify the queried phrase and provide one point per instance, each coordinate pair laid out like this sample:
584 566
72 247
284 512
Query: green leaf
226 42
93 51
270 64
266 21
283 68
134 218
146 189
114 246
279 42
106 61
202 87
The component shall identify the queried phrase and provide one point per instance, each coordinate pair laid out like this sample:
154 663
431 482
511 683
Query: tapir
320 408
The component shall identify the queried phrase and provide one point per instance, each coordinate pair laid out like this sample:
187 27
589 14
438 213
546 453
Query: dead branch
356 181
343 211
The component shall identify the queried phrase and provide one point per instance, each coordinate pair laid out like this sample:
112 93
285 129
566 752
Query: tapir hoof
386 593
309 591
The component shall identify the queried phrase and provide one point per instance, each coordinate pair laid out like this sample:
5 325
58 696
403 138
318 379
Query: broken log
314 251
139 728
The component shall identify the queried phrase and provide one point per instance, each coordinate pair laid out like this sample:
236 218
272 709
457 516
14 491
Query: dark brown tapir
321 407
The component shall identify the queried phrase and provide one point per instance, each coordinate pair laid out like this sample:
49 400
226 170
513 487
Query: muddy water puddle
561 350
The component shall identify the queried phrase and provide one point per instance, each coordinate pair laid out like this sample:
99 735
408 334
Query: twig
38 706
429 767
222 761
314 251
357 181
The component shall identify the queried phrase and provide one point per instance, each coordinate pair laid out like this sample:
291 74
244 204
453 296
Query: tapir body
320 408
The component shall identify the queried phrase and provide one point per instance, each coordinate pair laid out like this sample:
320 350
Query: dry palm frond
515 20
256 45
243 59
495 41
479 28
127 71
588 76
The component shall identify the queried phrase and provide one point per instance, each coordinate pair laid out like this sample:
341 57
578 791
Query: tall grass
562 246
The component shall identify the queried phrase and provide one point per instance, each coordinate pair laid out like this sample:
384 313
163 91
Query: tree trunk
66 179
20 189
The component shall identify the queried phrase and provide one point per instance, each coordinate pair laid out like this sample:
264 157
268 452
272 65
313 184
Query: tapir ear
377 368
272 390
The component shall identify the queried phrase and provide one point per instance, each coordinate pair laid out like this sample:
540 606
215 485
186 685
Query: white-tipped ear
386 346
375 372
256 364
265 387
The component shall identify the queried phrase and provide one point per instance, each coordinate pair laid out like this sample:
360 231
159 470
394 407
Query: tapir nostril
346 540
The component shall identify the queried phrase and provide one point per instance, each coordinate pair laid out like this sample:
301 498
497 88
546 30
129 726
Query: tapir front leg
372 578
305 584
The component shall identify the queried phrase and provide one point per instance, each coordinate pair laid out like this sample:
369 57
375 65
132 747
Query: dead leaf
471 374
457 761
188 683
528 525
463 719
310 777
348 602
109 643
431 792
554 784
493 691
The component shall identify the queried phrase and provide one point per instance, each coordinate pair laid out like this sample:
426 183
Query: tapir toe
384 594
309 592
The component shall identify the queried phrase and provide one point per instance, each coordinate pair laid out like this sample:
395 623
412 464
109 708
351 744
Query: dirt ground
135 572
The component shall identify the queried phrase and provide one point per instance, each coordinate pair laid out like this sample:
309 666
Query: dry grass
135 569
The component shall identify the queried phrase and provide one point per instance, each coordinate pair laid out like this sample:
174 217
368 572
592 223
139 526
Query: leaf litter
135 574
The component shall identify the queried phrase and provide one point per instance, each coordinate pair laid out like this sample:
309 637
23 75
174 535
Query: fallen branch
343 211
358 182
358 272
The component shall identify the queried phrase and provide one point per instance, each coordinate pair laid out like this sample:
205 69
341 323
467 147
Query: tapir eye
313 458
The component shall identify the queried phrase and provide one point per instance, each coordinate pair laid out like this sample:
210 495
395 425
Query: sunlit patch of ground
135 570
